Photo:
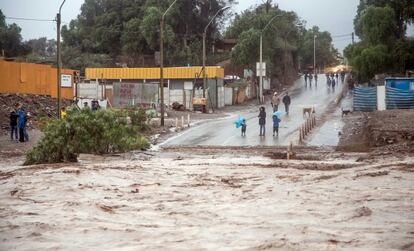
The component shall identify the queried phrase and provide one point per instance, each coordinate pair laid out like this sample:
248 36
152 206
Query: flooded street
222 132
214 201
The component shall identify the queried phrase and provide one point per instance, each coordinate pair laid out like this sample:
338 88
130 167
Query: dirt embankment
388 131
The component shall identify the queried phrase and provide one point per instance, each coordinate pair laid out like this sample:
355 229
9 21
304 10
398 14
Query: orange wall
27 78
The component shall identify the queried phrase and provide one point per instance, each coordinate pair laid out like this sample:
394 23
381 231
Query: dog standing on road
308 110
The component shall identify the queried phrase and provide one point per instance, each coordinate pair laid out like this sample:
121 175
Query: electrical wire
31 19
344 35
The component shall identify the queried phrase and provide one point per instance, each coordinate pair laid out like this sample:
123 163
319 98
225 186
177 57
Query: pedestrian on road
21 123
243 127
286 101
333 83
310 78
262 121
316 78
275 102
276 122
306 78
13 124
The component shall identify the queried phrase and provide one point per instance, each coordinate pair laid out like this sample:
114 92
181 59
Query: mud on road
214 199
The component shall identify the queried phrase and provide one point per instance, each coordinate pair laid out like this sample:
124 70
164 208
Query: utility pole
162 61
204 49
261 99
314 54
58 58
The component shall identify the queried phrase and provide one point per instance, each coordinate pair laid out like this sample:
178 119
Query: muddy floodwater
174 201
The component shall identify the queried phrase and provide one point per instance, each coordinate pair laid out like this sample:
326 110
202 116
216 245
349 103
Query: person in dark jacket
25 133
276 122
13 124
21 123
286 101
262 121
243 127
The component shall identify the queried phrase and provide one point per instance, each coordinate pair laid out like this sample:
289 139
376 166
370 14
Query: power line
31 19
344 35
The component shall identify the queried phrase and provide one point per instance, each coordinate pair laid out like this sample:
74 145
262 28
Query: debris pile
35 105
391 127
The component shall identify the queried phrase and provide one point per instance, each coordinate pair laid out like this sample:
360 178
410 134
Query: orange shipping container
28 78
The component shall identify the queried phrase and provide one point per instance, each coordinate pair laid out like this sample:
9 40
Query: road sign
261 71
66 80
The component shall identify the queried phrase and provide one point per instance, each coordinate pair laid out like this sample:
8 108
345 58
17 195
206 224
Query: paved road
222 132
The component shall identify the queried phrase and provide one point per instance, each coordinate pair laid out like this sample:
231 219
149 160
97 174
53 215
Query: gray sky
335 16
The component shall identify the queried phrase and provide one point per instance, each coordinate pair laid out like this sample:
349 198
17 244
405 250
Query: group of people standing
262 122
18 122
275 118
310 77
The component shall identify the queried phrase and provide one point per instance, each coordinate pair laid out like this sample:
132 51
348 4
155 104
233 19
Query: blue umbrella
278 113
239 121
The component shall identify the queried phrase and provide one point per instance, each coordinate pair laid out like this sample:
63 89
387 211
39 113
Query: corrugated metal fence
365 99
27 78
399 99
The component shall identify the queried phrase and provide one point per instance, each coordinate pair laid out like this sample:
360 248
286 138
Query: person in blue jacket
21 123
276 122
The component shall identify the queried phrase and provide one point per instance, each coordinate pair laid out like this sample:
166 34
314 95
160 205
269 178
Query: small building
132 86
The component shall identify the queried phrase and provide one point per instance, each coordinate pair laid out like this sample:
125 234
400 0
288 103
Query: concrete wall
228 96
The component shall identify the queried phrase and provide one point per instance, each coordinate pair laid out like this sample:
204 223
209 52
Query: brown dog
308 110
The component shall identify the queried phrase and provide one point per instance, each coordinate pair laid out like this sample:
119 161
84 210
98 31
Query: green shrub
85 131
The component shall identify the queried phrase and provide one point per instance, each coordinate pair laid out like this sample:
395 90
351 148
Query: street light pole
314 54
58 58
162 62
204 49
261 99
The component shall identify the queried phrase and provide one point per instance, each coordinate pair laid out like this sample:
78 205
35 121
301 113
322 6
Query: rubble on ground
388 131
37 106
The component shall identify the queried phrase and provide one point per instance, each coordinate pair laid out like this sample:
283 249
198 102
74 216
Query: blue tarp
399 99
365 99
406 84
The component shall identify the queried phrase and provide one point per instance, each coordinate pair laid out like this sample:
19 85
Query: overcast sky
335 16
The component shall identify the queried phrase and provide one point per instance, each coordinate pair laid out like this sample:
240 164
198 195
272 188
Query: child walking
276 122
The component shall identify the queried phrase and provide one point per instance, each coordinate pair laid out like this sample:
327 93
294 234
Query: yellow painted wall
153 73
27 78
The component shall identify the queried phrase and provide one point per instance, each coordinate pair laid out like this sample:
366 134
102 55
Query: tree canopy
11 39
384 47
285 40
129 29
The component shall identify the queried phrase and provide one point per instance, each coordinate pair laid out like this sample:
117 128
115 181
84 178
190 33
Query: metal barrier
306 127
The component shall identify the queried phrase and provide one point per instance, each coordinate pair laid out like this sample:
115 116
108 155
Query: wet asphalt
222 132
